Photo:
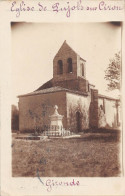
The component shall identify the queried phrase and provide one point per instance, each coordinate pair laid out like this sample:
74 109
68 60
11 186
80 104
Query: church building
78 101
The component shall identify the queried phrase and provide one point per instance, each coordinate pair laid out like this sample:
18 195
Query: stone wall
35 110
68 84
83 85
79 84
77 103
111 112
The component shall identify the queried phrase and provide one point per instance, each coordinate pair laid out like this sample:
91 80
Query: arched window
60 67
82 69
70 69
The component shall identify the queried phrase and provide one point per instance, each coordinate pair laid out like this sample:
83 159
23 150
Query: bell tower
69 69
67 64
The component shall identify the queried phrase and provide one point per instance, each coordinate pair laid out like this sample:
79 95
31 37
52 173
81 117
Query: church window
82 69
60 67
70 69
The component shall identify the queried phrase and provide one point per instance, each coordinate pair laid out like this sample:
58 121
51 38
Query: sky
34 46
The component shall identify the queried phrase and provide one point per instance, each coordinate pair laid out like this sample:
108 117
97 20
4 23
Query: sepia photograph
66 99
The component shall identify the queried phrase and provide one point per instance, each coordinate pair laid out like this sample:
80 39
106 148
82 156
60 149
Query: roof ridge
65 42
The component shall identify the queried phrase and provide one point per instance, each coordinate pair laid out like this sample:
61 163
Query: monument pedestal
56 126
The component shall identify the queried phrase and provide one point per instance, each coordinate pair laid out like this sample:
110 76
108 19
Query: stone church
77 100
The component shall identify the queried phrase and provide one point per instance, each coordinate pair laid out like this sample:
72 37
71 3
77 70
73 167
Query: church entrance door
78 121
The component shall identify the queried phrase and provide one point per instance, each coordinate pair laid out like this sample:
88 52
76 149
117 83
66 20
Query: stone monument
56 126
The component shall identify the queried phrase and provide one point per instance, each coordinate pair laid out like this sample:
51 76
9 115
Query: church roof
52 90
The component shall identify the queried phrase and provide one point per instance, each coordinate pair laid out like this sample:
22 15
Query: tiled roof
46 85
52 90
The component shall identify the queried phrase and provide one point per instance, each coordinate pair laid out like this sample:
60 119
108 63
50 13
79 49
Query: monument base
60 133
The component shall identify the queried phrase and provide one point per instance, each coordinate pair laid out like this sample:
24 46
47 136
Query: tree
113 73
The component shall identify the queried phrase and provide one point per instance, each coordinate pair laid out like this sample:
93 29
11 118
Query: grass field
92 155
